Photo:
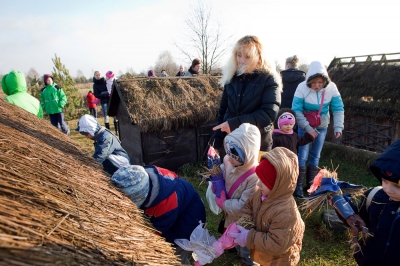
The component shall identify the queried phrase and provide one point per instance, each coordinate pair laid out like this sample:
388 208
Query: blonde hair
252 47
97 72
293 61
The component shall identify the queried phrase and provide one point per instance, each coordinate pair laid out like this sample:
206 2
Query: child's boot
107 125
298 193
312 171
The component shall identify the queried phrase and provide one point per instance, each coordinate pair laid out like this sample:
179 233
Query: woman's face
317 83
196 67
245 62
392 189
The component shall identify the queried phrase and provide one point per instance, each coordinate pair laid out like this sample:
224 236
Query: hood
316 69
287 170
13 83
248 138
293 75
388 161
88 124
99 81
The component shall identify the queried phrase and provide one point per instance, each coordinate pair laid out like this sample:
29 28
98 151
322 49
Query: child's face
392 189
97 76
49 81
232 161
317 83
264 189
287 128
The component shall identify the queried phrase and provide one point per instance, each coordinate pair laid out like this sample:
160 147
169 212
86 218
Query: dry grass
58 207
171 103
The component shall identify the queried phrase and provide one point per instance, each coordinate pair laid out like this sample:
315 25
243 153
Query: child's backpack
371 196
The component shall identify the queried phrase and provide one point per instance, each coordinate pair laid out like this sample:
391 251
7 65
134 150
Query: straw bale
156 104
58 207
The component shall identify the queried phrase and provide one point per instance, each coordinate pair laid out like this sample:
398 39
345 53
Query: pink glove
240 238
220 201
196 263
225 241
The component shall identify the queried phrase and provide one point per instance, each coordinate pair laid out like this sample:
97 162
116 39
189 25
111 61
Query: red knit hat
266 173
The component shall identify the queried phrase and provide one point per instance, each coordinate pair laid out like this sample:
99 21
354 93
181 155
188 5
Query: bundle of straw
57 206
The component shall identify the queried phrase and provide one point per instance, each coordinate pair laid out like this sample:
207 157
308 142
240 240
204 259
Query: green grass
321 246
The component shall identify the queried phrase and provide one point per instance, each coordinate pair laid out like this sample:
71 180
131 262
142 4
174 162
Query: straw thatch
157 104
57 207
369 89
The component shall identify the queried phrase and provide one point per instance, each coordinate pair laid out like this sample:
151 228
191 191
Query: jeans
104 107
316 148
244 253
57 120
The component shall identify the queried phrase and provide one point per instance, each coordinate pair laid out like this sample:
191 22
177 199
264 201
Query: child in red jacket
92 102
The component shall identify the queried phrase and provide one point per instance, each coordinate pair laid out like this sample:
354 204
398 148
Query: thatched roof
156 104
369 89
57 206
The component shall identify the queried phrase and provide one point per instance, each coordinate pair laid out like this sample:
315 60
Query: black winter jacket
290 141
100 89
290 79
249 98
382 217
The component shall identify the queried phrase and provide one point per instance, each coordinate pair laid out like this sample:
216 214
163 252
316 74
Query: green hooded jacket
53 99
14 85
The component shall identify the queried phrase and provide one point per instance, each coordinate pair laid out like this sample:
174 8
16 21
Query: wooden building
370 89
165 121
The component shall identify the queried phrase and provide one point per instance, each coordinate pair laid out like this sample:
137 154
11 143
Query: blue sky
117 35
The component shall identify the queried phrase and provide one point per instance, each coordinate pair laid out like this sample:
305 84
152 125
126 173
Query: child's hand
220 201
241 237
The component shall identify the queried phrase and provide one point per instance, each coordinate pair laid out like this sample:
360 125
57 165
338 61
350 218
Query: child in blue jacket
107 148
171 203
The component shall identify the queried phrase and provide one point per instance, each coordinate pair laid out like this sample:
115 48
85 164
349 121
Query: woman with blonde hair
252 92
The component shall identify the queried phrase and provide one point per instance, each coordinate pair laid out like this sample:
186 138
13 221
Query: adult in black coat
100 91
252 93
291 77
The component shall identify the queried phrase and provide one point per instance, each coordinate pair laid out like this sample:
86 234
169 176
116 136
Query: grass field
321 246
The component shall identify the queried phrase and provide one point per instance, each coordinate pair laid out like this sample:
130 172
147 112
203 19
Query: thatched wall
369 89
57 207
157 104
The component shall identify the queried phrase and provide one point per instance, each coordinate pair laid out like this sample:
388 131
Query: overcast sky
121 34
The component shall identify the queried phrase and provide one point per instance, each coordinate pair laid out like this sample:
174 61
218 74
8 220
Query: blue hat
134 181
233 151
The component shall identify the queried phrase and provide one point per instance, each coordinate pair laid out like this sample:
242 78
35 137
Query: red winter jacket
91 100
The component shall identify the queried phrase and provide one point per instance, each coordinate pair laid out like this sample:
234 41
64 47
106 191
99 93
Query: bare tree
205 37
166 62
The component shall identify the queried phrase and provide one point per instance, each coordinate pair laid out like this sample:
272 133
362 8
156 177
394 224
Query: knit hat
46 76
109 74
134 181
13 82
266 172
196 62
88 124
286 118
151 74
234 151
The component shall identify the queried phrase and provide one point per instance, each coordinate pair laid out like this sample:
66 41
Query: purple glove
220 201
196 263
240 238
